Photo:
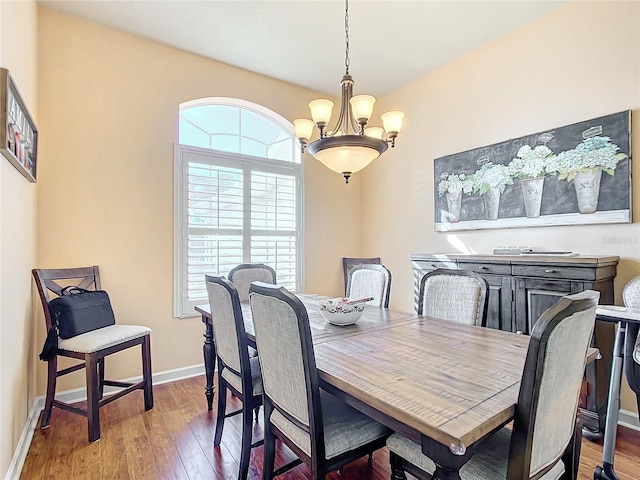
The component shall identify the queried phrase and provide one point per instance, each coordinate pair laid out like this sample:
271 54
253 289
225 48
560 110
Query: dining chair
92 348
545 440
631 298
320 429
237 371
370 280
455 295
349 262
245 273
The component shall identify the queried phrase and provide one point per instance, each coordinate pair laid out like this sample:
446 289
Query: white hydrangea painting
576 174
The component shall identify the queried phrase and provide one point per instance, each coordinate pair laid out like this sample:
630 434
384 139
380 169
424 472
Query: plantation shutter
237 211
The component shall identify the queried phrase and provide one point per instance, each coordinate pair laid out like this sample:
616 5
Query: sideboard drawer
428 265
486 268
554 271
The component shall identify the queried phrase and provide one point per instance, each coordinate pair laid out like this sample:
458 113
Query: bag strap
73 290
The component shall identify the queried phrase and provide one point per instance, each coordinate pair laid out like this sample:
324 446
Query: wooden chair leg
397 471
52 370
93 410
101 378
147 373
245 449
268 462
222 405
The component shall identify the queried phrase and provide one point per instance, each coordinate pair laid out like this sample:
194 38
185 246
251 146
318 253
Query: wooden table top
449 382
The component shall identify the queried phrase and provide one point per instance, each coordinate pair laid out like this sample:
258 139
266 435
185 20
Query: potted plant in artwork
490 182
452 186
584 166
529 166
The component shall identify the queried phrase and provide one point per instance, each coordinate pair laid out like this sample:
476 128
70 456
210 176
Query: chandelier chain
346 37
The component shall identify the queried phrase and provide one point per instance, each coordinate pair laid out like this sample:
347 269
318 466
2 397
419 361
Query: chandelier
349 145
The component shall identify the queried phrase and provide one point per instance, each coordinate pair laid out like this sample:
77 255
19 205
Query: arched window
238 195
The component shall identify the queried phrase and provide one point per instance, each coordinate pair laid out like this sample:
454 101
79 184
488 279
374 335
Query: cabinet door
499 304
535 295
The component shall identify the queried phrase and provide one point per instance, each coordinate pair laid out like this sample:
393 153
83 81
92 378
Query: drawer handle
549 270
482 267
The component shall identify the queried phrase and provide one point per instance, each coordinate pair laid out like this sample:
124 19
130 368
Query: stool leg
93 407
101 377
52 376
146 373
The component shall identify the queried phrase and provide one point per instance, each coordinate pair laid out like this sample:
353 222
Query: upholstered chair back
547 404
370 280
242 276
454 295
289 375
228 327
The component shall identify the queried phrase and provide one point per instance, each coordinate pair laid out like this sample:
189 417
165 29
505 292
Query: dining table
444 385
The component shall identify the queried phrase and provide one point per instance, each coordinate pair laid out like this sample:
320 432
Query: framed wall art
18 132
576 174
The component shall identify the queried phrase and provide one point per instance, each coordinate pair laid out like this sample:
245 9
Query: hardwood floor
175 441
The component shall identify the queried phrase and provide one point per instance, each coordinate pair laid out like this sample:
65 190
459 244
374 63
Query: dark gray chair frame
349 262
484 295
319 465
250 403
631 367
520 449
376 267
93 363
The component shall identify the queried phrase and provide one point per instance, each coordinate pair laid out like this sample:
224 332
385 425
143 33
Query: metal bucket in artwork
454 202
588 189
491 202
532 194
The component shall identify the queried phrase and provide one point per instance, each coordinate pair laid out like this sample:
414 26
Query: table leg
442 473
209 353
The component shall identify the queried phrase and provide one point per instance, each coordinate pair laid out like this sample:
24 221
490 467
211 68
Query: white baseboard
629 419
77 395
19 456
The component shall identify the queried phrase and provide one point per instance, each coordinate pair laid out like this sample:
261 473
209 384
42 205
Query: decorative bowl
338 311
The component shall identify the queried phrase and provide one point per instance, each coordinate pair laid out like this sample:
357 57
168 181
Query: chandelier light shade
349 145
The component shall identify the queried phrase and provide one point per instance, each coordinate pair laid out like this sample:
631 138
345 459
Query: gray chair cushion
345 428
488 463
242 279
102 338
256 378
455 298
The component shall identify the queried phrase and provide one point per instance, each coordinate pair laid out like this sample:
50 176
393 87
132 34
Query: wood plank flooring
175 441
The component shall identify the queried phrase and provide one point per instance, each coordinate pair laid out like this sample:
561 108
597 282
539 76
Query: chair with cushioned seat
349 262
545 440
454 295
237 371
320 429
370 280
631 298
91 347
245 273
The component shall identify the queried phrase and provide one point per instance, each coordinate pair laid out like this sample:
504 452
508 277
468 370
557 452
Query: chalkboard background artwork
462 204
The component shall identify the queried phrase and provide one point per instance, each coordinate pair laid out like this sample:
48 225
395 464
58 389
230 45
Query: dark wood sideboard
522 287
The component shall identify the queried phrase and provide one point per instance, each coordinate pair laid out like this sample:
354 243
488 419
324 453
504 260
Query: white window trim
181 306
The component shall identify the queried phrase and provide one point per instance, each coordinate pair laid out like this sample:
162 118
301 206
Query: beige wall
579 62
109 116
18 33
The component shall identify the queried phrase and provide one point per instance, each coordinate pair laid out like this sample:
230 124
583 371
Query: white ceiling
392 42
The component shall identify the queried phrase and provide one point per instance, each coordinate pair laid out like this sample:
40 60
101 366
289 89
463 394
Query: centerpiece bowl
341 311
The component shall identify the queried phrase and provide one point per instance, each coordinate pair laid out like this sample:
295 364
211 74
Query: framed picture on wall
571 175
18 132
